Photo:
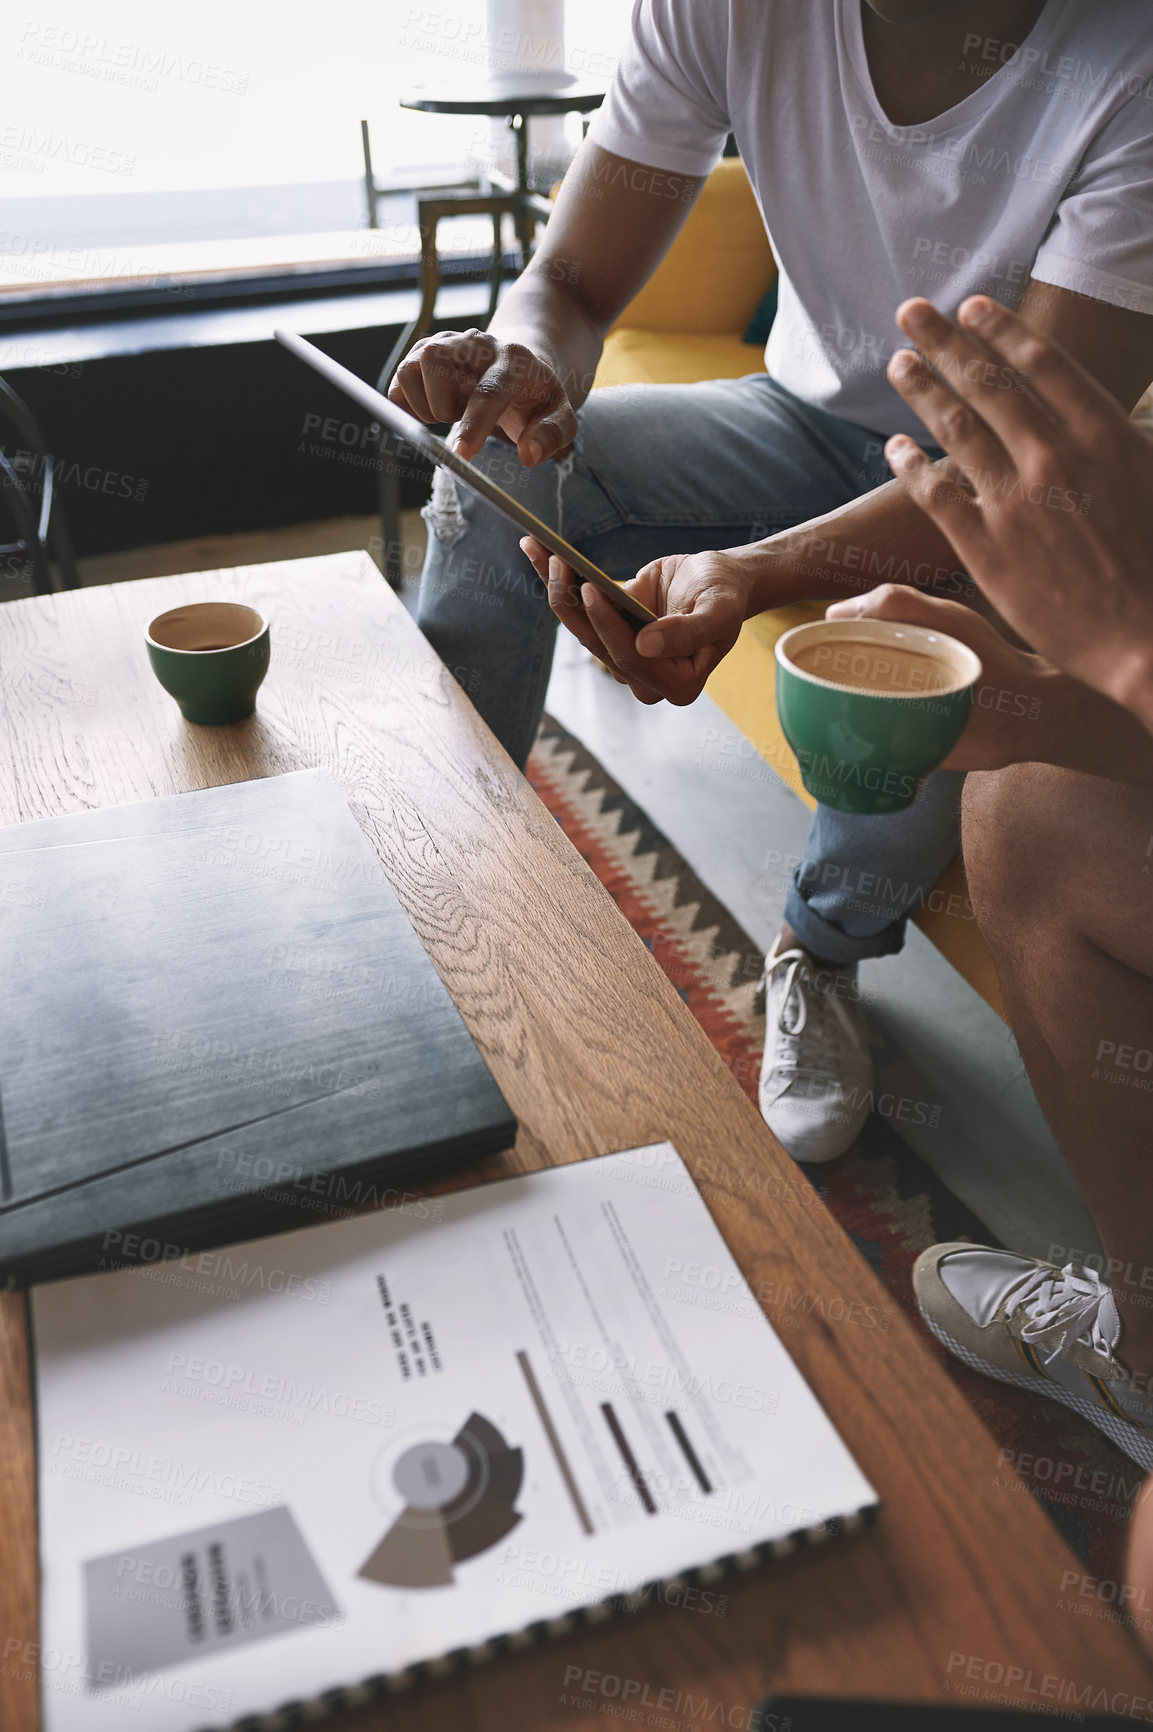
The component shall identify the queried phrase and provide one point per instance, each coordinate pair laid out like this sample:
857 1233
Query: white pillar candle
526 41
526 52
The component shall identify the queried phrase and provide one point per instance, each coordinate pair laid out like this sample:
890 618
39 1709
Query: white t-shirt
1044 171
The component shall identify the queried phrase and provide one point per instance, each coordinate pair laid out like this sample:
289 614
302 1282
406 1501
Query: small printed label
167 1601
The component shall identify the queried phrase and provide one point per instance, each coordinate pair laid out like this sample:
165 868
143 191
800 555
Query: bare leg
1060 871
788 940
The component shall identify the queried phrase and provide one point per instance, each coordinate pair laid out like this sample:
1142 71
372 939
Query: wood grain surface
955 1595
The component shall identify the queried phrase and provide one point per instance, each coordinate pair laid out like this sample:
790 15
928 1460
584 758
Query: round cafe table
517 100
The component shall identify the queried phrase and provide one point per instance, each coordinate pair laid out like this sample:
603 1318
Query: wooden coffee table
954 1595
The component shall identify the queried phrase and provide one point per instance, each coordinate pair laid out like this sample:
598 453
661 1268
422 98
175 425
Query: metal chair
42 551
430 213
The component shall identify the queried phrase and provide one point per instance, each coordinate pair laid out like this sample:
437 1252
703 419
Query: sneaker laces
800 998
1062 1306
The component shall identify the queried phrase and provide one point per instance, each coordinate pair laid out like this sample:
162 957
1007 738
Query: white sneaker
1051 1331
817 1072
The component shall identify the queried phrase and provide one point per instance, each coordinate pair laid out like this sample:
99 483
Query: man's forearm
1133 681
551 320
882 537
1077 728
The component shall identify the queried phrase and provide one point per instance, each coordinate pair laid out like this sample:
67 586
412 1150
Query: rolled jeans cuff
828 942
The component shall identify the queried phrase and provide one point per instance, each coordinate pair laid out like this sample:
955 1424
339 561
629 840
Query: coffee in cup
868 667
870 707
211 656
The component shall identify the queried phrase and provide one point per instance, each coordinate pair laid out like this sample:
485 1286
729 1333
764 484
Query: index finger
564 598
1060 382
515 377
997 393
956 428
674 677
489 398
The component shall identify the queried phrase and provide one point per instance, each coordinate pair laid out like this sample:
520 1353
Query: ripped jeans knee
443 514
446 520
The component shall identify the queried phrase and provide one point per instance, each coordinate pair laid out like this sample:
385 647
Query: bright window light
126 125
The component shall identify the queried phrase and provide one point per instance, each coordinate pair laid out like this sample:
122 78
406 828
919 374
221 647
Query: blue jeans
661 469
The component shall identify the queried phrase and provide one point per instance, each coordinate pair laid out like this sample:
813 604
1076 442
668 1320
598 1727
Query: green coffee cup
211 657
870 707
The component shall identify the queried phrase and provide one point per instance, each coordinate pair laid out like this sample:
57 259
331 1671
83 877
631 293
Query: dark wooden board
215 1009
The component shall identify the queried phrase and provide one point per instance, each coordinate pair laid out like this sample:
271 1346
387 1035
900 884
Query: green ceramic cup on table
211 657
871 707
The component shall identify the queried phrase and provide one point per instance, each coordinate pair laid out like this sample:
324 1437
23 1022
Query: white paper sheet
276 1469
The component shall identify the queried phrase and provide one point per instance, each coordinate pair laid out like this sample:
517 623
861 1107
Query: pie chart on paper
457 1500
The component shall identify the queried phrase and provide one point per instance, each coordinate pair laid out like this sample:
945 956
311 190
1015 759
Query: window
140 145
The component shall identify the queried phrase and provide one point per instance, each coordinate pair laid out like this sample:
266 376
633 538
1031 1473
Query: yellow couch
686 324
688 320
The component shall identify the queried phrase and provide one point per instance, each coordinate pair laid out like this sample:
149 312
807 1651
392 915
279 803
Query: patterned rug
889 1202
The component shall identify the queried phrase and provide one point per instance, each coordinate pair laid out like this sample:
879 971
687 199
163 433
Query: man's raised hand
489 386
1049 502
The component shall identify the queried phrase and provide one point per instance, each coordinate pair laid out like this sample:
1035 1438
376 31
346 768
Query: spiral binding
384 1684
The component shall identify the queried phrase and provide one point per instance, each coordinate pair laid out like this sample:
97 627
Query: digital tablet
826 1714
406 426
